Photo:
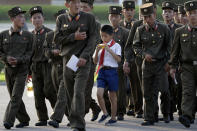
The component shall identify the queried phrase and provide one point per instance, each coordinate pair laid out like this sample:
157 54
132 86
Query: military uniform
155 41
17 45
75 82
90 103
172 87
41 72
184 50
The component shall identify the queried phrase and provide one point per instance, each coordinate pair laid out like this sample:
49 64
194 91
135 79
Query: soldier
15 53
120 36
182 15
128 13
90 103
152 41
75 32
184 50
168 14
176 17
52 51
41 69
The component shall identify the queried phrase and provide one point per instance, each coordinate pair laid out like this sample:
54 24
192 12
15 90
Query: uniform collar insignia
71 18
11 31
39 31
155 27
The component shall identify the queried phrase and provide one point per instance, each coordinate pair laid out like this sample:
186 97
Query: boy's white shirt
108 58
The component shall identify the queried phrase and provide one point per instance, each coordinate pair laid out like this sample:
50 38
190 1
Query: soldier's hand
148 58
56 52
81 62
172 73
80 35
167 67
11 60
126 68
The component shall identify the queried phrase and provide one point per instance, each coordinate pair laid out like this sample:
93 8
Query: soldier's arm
47 47
87 52
175 52
137 45
128 50
25 59
3 56
168 41
60 37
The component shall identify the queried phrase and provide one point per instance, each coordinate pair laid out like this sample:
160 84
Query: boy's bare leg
113 100
101 101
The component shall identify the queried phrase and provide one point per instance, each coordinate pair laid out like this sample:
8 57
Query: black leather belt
108 67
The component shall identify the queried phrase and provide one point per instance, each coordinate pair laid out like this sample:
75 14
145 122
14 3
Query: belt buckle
194 62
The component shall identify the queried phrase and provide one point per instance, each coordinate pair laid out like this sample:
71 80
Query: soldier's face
192 17
74 6
86 7
183 19
176 17
37 20
106 37
114 19
128 13
19 20
150 19
168 15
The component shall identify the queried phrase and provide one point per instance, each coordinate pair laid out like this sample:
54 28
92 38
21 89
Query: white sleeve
118 49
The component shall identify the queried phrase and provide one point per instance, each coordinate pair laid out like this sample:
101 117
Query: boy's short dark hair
107 29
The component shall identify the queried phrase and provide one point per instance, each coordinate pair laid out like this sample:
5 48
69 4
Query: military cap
181 9
91 2
115 10
148 1
176 8
190 5
35 9
147 9
128 4
168 5
15 11
62 11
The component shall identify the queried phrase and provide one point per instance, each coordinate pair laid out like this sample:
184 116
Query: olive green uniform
76 82
41 76
156 42
57 77
18 45
133 61
184 50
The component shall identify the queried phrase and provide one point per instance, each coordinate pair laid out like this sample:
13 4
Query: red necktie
103 53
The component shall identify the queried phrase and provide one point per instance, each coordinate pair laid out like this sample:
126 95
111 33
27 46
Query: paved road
130 123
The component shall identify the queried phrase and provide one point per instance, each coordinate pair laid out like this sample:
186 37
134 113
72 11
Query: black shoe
160 119
166 119
95 116
8 125
130 113
171 117
23 124
120 117
41 123
185 121
54 124
138 116
192 121
68 125
103 117
147 123
156 118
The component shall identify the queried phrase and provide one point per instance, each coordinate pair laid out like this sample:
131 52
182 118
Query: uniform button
153 42
152 35
194 43
194 36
